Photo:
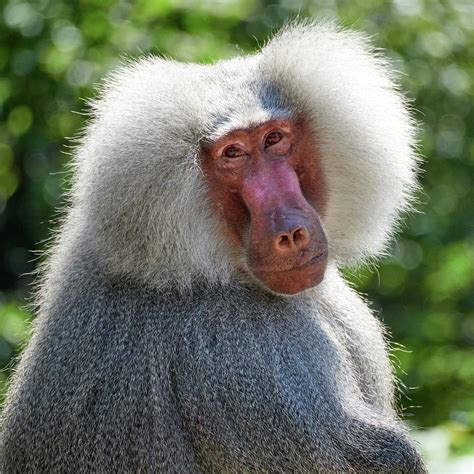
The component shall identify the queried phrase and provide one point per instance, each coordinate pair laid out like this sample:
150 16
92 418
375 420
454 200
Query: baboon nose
292 239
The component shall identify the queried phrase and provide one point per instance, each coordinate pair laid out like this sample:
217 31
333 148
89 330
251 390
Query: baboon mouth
318 258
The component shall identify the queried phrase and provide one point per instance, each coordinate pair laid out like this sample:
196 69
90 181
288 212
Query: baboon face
267 184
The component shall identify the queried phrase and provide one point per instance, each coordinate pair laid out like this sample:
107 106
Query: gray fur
153 352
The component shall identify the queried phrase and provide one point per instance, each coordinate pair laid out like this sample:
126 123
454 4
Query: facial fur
149 354
153 225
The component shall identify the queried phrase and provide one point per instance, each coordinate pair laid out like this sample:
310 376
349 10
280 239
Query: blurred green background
53 52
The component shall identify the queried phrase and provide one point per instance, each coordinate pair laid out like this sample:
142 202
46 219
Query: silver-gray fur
152 351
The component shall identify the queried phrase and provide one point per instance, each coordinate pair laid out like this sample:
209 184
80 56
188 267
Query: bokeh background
53 53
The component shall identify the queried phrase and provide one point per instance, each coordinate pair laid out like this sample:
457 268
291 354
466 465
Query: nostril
284 241
300 236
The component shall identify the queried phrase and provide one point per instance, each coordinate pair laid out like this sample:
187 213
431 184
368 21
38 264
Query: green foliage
53 52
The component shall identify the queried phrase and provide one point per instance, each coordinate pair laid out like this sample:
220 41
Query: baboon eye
234 152
273 138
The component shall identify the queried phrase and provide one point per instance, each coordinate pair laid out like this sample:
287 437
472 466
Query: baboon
191 314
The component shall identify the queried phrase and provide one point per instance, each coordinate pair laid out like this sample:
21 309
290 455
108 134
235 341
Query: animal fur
152 351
